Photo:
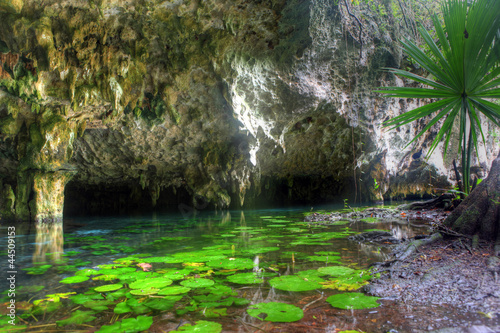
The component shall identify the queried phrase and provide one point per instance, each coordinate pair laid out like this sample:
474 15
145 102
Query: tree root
412 247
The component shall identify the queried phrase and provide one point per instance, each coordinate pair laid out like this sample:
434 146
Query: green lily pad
327 259
108 287
129 325
150 283
29 289
197 283
293 283
121 308
201 326
336 270
231 263
179 274
78 317
353 301
371 220
116 271
261 250
349 282
174 290
74 279
276 312
163 304
87 272
37 270
145 292
83 298
245 278
105 277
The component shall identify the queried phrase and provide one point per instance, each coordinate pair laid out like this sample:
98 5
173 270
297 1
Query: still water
198 271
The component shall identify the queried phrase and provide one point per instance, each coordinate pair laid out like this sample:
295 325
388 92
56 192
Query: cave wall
235 102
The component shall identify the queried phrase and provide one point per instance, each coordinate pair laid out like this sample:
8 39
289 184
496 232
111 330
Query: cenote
230 271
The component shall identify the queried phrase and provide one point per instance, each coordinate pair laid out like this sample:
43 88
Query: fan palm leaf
464 70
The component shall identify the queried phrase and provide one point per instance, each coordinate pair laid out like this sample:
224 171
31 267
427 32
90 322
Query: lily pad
108 287
163 304
87 272
260 250
353 301
231 263
37 270
197 283
74 279
129 325
245 278
78 317
145 292
327 258
336 270
174 290
276 312
150 283
201 326
293 283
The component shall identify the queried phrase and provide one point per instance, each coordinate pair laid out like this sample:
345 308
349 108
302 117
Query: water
205 246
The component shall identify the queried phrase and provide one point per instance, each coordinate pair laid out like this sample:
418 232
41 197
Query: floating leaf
260 250
83 298
145 292
105 277
108 287
201 326
87 272
293 283
74 279
29 289
116 271
121 308
129 325
163 304
37 270
327 258
197 283
245 278
231 263
276 312
150 283
336 270
78 317
179 274
353 301
370 220
174 290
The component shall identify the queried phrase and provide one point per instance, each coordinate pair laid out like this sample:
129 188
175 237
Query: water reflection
49 243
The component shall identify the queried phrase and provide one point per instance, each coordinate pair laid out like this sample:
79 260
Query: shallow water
274 242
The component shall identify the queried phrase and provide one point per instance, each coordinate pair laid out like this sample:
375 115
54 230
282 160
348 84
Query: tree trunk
479 213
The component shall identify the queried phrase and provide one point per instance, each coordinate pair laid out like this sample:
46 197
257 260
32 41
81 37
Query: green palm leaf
465 76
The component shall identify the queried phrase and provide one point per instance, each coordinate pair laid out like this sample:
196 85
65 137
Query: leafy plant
465 70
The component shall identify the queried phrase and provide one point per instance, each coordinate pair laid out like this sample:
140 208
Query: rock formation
217 103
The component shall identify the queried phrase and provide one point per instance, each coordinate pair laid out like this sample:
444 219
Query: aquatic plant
276 312
201 326
295 283
353 301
